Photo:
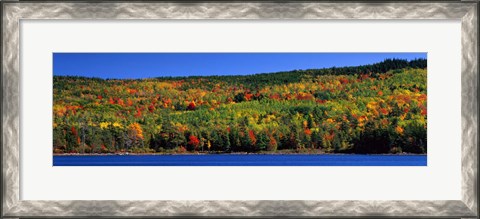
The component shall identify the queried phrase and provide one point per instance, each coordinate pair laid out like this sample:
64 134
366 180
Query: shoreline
206 154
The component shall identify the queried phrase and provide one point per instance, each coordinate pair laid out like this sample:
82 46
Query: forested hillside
378 108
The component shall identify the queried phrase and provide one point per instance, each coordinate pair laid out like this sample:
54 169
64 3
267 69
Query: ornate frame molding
14 12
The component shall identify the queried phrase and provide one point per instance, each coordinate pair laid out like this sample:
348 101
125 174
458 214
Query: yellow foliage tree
136 130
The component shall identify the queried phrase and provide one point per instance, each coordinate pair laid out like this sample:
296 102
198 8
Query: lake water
241 160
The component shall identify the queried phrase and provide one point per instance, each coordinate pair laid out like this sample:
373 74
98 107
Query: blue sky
148 65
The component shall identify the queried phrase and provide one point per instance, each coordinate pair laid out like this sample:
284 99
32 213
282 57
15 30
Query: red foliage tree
151 108
321 101
139 113
248 96
384 111
194 141
343 80
74 131
308 131
304 96
275 96
252 136
191 106
132 91
120 102
424 111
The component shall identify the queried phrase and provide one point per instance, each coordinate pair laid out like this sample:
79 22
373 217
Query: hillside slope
379 108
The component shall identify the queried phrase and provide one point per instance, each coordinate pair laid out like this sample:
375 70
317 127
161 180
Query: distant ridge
380 67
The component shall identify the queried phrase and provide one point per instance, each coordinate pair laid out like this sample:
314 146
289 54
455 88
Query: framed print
218 105
240 109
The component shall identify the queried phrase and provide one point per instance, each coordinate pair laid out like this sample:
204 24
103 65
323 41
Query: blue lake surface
241 160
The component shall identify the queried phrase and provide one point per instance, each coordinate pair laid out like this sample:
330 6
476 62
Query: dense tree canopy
378 108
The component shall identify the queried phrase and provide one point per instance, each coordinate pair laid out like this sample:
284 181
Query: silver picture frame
14 12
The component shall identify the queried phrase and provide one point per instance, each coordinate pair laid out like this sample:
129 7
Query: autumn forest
378 108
